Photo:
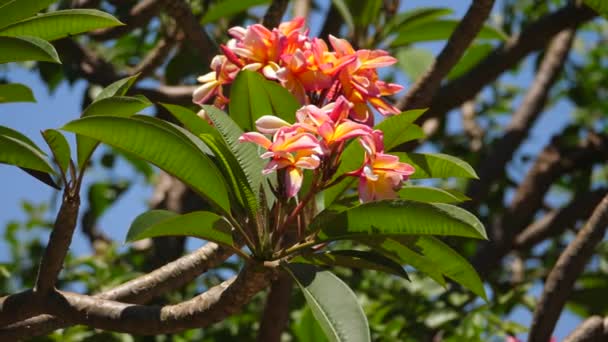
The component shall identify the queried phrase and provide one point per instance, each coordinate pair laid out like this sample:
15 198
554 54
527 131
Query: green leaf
428 195
60 24
19 136
201 224
59 147
473 55
364 13
16 10
306 328
440 30
110 106
15 92
245 153
191 121
437 165
396 218
14 151
600 6
101 196
162 144
118 88
414 61
353 259
254 96
19 49
332 302
435 255
228 8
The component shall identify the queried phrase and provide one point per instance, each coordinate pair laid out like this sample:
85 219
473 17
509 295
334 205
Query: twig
506 57
493 165
569 266
421 93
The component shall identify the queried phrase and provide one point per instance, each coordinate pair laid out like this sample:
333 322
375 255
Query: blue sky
52 111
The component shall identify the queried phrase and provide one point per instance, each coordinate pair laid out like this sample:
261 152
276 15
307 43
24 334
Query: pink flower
381 175
290 149
224 73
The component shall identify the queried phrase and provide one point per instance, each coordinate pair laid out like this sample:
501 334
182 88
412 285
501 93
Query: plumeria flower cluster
305 66
337 89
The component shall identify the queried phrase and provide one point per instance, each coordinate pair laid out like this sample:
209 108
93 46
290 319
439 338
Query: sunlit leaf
228 8
15 10
15 92
201 224
428 195
19 49
440 30
118 88
333 303
437 165
60 24
59 147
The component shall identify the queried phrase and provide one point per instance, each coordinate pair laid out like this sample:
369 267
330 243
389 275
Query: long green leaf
332 302
228 8
19 153
60 24
440 30
15 10
253 96
414 62
429 195
396 218
412 18
110 106
353 259
59 147
118 88
19 49
430 255
164 147
344 11
246 154
473 55
19 136
437 165
15 92
201 224
190 120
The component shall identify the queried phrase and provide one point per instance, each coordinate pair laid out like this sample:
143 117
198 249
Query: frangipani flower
381 175
224 73
291 150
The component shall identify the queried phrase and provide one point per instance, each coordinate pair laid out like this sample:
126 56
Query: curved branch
569 266
493 166
210 307
421 93
506 57
140 290
139 16
593 329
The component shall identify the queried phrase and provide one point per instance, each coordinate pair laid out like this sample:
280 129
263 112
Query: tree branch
552 163
506 57
185 19
139 16
494 164
569 266
557 221
276 311
274 14
59 242
593 329
169 277
421 93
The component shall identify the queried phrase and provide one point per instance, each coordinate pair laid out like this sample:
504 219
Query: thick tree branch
421 93
506 57
276 311
555 161
140 290
157 55
494 164
59 242
569 266
593 329
275 13
557 221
